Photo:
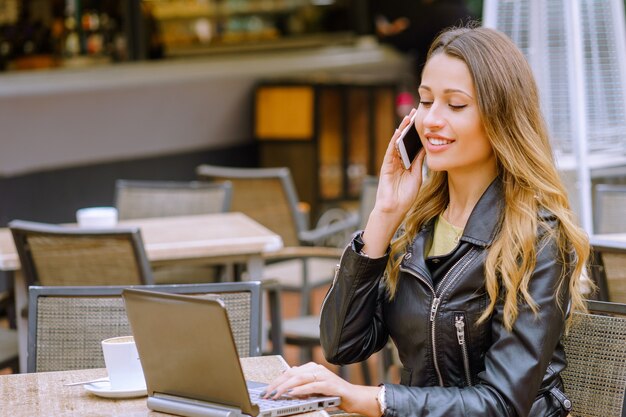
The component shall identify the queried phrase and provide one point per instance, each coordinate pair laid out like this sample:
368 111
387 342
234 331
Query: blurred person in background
410 26
151 32
471 273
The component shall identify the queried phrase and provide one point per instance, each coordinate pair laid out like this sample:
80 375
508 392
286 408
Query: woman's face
448 120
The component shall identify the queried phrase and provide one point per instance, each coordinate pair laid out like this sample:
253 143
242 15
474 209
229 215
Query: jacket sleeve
351 326
515 363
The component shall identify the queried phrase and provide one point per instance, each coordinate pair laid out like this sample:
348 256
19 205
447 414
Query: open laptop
190 360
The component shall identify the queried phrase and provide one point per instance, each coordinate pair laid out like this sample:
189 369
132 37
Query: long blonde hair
509 107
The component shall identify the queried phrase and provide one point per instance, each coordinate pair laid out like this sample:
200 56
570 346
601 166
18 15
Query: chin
435 167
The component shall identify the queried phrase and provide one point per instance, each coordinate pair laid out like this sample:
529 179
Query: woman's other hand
312 378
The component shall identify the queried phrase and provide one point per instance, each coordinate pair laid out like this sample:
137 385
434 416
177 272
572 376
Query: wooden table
43 394
223 238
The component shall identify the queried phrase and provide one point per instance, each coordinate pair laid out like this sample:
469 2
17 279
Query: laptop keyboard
265 403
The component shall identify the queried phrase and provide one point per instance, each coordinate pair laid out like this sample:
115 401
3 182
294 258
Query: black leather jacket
452 366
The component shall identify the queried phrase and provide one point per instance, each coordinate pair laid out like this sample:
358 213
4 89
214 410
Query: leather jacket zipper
445 282
459 323
437 293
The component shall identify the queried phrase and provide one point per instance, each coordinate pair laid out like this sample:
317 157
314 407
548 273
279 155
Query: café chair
273 330
67 324
140 199
304 331
53 255
608 269
9 353
608 211
268 195
595 347
136 199
351 220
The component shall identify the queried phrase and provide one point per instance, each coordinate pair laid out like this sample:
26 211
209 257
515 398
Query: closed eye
426 103
458 107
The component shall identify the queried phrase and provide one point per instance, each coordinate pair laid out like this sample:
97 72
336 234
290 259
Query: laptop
190 360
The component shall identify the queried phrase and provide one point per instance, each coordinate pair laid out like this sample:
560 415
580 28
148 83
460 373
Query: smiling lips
437 140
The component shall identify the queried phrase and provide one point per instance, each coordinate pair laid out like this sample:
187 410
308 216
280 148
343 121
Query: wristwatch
380 398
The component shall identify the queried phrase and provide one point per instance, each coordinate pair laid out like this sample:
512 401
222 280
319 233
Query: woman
476 289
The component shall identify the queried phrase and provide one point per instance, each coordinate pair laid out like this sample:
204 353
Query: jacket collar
484 221
480 230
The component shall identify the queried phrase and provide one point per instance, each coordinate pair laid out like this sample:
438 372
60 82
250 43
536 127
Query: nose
433 118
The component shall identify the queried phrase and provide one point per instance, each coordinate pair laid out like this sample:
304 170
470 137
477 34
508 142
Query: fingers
324 382
284 377
391 155
406 120
297 380
313 388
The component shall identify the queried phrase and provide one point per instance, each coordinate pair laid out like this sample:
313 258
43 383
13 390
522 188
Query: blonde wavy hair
509 107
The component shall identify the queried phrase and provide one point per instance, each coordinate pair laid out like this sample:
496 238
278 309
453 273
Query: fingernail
262 394
289 391
273 393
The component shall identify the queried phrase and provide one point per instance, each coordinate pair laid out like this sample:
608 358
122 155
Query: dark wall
54 196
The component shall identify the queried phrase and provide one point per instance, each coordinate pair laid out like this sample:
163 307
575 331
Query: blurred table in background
221 238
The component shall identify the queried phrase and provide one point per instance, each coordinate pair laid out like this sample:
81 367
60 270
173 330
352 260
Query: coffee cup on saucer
122 363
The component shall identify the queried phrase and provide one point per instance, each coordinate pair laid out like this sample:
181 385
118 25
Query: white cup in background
122 363
97 217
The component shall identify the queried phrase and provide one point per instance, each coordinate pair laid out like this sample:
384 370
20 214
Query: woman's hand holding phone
399 184
397 190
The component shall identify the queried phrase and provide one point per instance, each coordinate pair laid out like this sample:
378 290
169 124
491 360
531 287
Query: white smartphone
408 144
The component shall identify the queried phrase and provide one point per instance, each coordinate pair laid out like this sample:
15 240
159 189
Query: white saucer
103 389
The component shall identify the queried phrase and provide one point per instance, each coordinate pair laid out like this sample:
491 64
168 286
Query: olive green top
445 238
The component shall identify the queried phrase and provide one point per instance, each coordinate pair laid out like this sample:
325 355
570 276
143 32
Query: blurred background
96 90
92 91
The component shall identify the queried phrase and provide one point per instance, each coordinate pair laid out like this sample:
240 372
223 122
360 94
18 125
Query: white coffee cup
122 363
97 217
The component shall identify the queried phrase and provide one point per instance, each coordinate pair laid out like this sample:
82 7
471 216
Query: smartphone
408 144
